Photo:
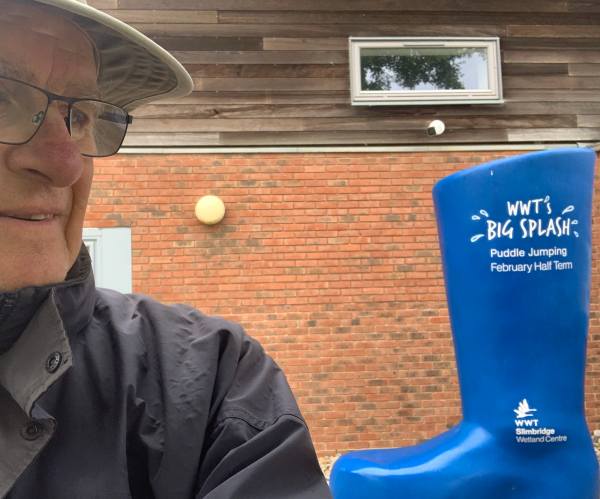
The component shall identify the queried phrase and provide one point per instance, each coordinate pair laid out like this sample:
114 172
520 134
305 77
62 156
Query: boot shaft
515 236
516 250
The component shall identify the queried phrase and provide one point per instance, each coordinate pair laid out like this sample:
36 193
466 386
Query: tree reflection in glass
424 69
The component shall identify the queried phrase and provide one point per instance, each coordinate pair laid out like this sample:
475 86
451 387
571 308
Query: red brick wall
331 260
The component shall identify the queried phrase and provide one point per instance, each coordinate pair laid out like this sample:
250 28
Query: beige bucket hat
132 68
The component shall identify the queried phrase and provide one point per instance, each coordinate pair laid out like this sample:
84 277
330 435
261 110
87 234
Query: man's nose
51 154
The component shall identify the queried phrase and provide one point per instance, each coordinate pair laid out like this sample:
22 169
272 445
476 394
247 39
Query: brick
331 260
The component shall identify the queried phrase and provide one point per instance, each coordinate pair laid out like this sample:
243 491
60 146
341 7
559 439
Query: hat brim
133 69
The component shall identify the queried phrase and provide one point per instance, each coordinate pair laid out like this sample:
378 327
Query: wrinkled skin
48 175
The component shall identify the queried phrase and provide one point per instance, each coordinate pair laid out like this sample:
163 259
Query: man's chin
42 262
34 274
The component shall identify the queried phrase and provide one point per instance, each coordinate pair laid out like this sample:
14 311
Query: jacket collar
74 299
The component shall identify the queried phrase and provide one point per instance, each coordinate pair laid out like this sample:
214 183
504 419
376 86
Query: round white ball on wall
210 210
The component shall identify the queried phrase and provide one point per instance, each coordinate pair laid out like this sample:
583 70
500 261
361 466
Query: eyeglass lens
97 127
22 110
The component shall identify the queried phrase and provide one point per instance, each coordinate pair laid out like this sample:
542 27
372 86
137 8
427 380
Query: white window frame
110 252
361 97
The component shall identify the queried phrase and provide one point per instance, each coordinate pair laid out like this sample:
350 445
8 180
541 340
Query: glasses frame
70 101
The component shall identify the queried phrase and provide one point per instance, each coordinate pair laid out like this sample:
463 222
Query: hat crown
132 68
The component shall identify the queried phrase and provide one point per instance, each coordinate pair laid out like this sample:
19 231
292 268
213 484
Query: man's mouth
42 217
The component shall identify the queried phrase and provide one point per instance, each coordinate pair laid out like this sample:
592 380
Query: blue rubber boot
516 251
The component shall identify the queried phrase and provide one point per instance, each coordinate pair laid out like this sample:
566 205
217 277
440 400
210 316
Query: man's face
48 175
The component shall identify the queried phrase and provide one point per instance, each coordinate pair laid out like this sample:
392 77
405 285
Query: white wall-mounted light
210 210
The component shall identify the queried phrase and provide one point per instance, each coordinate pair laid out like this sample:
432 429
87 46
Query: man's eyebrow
9 70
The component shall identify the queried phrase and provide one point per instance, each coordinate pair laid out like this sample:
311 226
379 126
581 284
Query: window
416 71
110 251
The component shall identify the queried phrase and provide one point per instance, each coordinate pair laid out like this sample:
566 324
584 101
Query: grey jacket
111 396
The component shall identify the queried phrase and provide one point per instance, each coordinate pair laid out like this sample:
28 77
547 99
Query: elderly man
104 395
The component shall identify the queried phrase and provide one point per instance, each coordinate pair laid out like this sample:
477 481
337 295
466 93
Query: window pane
424 69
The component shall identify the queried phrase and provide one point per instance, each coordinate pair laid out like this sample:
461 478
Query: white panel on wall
110 250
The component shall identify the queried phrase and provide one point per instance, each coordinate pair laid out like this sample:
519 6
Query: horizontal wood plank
310 139
552 82
521 43
365 138
537 31
357 138
551 56
275 125
144 16
134 139
209 43
553 134
258 111
583 6
318 30
279 70
441 19
302 110
338 124
334 97
584 69
537 95
305 43
589 121
262 57
537 69
354 5
268 84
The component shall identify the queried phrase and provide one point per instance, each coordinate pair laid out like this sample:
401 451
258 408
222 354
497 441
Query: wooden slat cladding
275 72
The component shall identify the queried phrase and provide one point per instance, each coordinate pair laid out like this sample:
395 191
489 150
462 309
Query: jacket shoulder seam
253 421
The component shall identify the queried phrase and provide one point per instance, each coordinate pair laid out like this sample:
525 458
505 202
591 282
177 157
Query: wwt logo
523 412
528 430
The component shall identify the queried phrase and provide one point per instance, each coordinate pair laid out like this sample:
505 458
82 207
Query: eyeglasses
98 128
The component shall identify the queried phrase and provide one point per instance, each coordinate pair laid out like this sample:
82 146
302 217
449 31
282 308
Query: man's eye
5 98
79 118
8 106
